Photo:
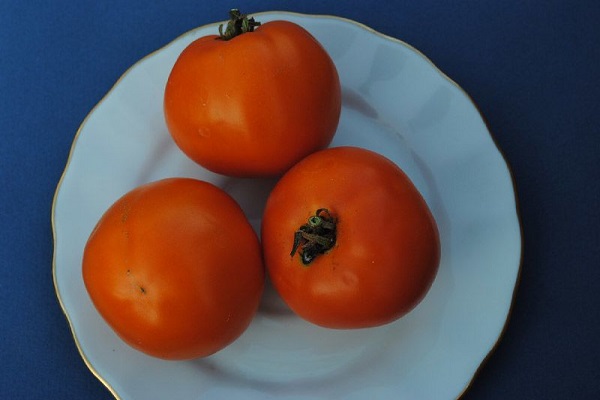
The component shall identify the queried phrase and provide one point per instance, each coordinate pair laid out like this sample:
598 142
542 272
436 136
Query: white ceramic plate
396 102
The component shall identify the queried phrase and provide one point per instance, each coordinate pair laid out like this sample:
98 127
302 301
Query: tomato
175 268
255 104
348 240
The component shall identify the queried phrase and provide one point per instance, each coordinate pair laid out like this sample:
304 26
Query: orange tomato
175 269
255 104
348 240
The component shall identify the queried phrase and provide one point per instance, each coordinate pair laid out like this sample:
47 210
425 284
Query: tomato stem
238 24
315 237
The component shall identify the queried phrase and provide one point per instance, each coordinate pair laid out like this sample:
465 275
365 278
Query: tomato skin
175 269
387 250
253 105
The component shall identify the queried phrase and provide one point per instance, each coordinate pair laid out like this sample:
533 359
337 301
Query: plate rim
365 28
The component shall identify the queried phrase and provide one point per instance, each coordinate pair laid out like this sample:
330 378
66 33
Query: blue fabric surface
532 67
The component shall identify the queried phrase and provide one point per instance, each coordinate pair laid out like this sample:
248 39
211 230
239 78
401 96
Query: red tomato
348 240
255 104
175 268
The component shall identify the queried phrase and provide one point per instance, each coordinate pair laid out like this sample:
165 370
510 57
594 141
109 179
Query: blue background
533 68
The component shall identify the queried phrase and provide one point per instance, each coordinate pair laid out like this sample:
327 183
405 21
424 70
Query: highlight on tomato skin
175 269
253 101
348 241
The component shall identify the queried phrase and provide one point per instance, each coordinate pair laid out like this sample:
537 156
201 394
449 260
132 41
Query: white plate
396 102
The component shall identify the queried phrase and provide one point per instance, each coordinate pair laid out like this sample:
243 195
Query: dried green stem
315 237
238 24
